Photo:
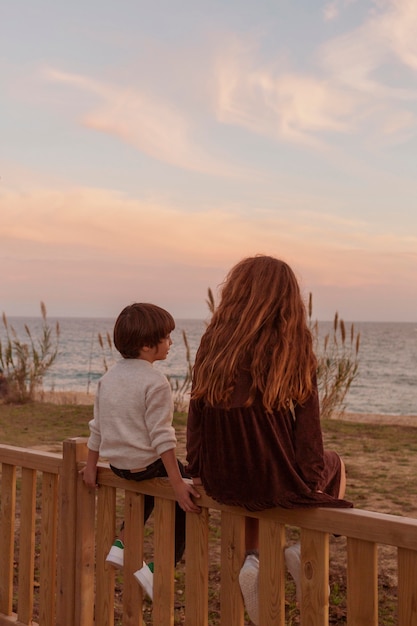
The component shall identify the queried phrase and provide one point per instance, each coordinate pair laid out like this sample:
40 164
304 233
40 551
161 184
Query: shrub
337 362
181 387
24 364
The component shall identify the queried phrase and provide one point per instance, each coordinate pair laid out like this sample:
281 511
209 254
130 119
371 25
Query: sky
147 147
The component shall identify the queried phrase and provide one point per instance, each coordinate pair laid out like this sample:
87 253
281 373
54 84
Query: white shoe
249 585
293 562
115 556
144 577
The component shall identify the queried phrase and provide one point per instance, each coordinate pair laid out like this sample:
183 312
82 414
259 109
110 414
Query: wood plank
105 573
8 512
26 546
48 549
164 543
271 573
196 570
232 558
84 554
407 591
31 459
362 583
314 606
133 557
357 523
74 451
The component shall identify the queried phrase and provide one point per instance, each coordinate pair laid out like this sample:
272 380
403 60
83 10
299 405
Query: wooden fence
55 573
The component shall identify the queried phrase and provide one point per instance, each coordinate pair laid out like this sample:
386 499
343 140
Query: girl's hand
184 492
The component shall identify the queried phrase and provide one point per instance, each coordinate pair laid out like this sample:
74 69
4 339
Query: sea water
386 382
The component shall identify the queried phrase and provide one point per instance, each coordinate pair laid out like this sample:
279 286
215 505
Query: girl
253 435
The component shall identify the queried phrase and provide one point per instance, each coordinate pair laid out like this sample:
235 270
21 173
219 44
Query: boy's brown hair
141 324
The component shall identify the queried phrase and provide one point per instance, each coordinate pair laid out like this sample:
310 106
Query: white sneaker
115 556
144 577
293 562
249 585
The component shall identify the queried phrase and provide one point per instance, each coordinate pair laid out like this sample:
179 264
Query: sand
79 397
66 397
377 418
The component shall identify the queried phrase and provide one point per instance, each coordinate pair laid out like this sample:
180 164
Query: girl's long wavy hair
260 324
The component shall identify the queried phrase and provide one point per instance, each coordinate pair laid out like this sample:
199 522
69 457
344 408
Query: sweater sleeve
158 418
94 439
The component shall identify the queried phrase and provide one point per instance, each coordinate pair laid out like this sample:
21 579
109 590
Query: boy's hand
89 475
89 472
183 489
184 492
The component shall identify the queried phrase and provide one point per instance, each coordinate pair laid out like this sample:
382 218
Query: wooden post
27 546
48 549
196 571
8 512
314 578
84 554
232 557
362 583
407 593
271 573
105 574
133 558
164 542
74 450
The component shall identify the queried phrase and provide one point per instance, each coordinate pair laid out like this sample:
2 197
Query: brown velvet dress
247 457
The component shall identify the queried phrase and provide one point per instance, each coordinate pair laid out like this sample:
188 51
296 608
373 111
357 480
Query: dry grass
381 463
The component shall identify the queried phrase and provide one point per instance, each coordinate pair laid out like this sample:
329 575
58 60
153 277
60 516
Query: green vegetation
337 363
25 363
37 423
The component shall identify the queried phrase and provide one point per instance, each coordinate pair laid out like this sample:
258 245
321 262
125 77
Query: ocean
386 381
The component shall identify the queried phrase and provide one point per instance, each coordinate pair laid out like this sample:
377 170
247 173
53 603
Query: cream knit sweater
133 413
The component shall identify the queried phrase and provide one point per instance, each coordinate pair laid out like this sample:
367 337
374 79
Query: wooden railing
65 531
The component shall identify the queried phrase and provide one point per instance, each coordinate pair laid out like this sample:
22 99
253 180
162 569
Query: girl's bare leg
342 487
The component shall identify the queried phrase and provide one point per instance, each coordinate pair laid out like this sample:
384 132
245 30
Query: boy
132 425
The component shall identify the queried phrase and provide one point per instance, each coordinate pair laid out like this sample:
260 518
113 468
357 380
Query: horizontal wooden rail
31 459
381 528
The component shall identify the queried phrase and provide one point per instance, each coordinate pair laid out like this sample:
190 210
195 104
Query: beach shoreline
80 397
378 418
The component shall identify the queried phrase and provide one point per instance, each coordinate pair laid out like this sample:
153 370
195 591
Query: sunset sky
146 147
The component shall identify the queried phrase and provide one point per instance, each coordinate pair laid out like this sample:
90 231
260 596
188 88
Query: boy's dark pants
157 470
